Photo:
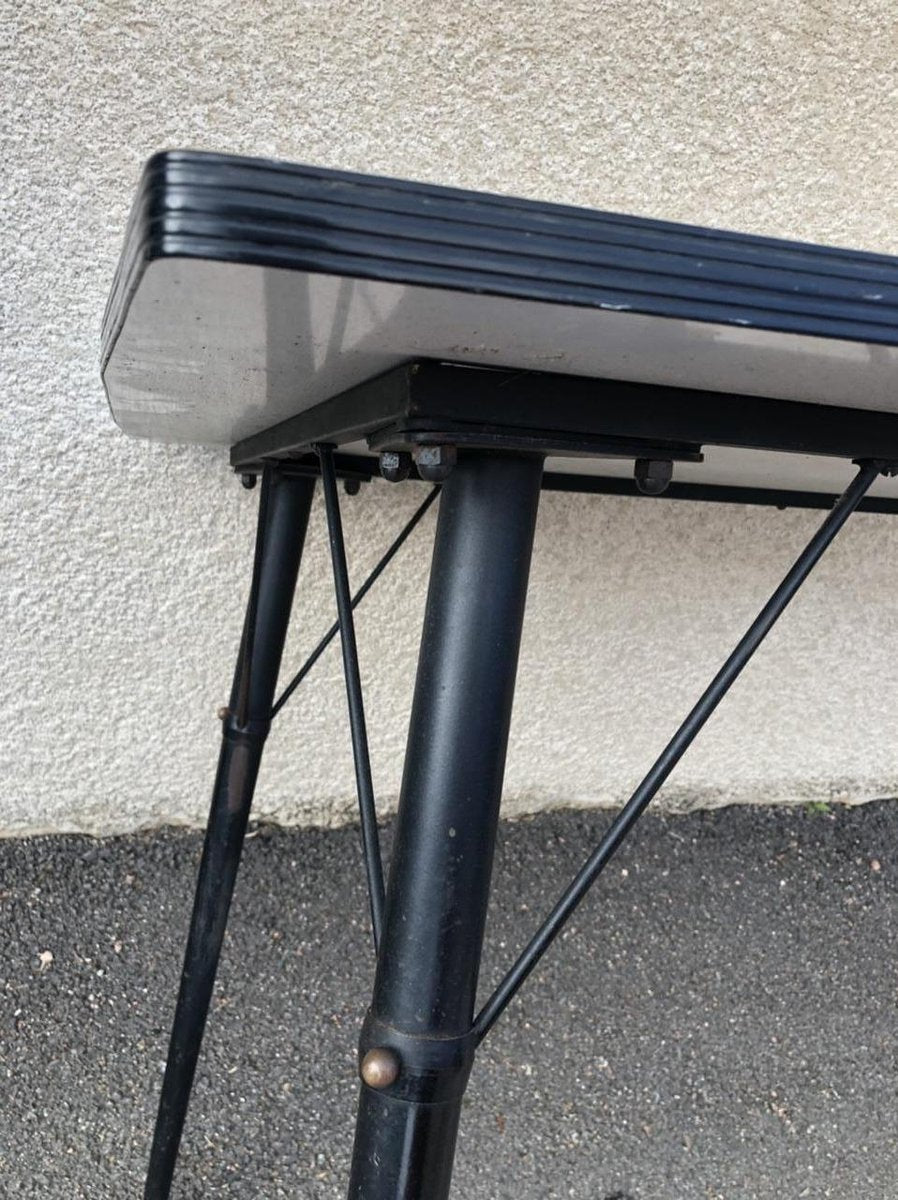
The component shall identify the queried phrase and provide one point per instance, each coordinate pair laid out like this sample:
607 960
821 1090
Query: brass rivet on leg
380 1067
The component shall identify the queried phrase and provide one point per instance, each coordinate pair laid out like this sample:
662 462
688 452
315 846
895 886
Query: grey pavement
719 1021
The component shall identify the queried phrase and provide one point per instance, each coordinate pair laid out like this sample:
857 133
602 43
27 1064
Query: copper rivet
380 1067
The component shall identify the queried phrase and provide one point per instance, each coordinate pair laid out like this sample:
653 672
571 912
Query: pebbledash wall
125 564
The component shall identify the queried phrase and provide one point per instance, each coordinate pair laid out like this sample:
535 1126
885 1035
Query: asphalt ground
719 1020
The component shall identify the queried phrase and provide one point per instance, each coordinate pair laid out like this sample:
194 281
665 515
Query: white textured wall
125 565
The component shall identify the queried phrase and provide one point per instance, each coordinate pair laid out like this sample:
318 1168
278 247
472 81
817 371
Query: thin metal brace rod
676 747
388 556
364 785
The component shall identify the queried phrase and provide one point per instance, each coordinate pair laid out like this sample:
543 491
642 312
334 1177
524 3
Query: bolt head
380 1067
248 480
395 465
653 475
223 713
434 463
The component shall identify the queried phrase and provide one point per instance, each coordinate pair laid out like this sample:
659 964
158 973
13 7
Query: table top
250 290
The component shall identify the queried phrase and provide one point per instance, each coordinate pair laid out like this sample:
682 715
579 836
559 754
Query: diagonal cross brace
361 758
677 746
376 572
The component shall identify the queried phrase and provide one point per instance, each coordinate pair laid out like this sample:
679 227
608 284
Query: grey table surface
718 1022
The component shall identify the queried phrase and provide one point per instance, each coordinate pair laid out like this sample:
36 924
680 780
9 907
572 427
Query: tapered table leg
283 517
417 1046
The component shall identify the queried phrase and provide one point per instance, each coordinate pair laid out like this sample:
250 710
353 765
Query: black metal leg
417 1043
283 516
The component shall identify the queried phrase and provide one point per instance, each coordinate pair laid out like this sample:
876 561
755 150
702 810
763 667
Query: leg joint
423 1068
252 731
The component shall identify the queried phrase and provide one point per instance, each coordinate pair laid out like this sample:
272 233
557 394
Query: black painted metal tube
675 749
403 1148
440 873
283 517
